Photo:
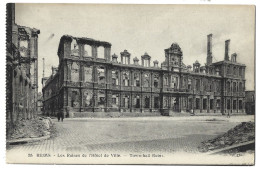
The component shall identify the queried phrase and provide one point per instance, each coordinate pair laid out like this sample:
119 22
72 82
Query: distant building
89 81
21 70
250 102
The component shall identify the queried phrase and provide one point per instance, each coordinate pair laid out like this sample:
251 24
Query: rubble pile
243 132
32 128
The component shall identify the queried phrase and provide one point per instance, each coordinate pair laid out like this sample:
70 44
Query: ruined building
21 70
89 81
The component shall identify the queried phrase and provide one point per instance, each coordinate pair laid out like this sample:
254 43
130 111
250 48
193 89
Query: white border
3 165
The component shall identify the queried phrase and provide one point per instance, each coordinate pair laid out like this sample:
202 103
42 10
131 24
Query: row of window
233 70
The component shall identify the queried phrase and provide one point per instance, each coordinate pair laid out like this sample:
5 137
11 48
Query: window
147 102
189 84
88 73
137 101
125 102
240 71
205 104
234 87
240 87
137 79
240 104
101 75
101 52
228 104
74 48
146 80
197 84
156 102
75 99
197 103
87 51
234 104
75 72
101 98
126 78
115 77
166 82
115 100
218 104
88 98
228 86
156 81
211 104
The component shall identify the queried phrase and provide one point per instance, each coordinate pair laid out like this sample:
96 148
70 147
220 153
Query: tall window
125 101
197 103
101 52
234 104
101 75
87 51
126 77
156 102
205 104
240 104
88 73
101 98
234 86
137 101
146 80
189 84
165 80
74 48
75 99
115 100
75 72
115 77
197 84
156 81
147 102
211 104
218 104
137 79
228 86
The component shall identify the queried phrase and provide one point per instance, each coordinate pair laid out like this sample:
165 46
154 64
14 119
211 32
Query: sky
146 28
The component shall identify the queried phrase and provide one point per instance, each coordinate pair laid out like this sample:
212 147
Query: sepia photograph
130 84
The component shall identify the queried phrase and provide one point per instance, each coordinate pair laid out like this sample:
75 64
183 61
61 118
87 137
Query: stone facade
89 81
21 70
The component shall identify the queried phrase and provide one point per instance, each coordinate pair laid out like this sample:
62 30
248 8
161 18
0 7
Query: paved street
148 134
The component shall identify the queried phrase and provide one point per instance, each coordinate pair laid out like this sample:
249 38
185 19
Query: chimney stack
227 42
209 50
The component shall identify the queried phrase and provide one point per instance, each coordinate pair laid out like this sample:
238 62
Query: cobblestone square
131 135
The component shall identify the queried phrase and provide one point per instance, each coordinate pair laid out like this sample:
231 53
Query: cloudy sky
145 28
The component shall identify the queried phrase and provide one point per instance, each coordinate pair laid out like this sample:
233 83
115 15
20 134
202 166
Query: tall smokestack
209 50
227 42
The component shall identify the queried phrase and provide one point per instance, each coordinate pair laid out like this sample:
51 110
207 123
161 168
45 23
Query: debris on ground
32 128
243 132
